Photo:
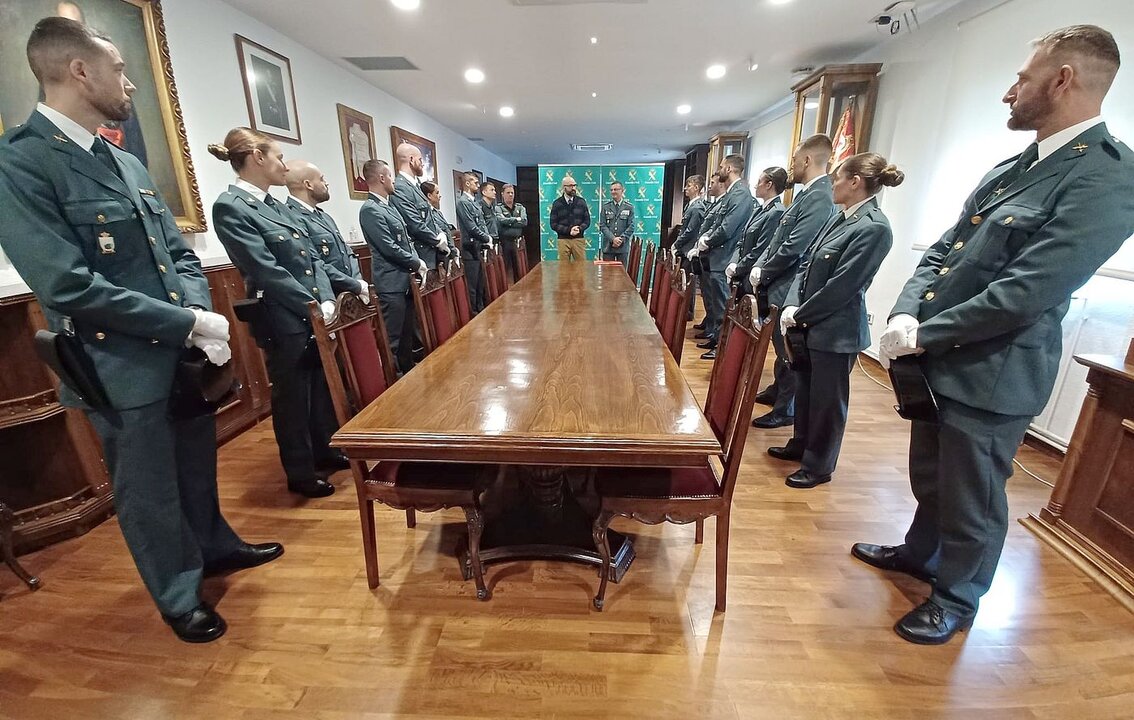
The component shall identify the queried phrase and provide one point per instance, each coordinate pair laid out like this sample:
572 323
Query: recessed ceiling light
594 94
507 111
811 105
406 4
684 109
715 72
474 75
594 40
753 66
778 2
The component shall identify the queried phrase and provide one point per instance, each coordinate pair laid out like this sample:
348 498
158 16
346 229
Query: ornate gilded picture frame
357 132
155 132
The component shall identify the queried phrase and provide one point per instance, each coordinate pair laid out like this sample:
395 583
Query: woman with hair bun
269 246
827 301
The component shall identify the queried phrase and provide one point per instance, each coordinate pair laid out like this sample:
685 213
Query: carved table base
538 516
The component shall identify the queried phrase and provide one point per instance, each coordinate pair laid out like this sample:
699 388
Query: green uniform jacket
474 233
992 292
392 257
758 234
417 214
616 220
799 226
103 251
830 287
734 208
691 221
270 248
327 242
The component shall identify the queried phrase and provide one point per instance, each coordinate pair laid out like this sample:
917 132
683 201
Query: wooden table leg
537 516
7 520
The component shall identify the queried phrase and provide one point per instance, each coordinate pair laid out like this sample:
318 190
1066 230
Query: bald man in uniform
432 245
307 188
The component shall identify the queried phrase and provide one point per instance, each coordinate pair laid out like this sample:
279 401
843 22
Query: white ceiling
650 57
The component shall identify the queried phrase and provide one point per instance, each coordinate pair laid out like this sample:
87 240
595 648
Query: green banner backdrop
644 187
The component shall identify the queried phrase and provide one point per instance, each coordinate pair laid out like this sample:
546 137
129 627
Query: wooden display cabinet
722 145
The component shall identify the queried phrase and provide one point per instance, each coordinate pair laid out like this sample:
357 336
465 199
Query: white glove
787 318
703 243
440 238
217 351
210 325
364 293
693 252
730 271
422 268
754 276
328 308
895 334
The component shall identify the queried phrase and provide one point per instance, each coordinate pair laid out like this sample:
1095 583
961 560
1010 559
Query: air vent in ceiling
391 62
591 147
476 139
544 3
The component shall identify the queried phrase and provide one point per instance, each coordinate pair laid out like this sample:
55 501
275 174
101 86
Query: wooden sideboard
1089 518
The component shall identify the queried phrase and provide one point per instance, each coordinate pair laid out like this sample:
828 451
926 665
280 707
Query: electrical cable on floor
1017 463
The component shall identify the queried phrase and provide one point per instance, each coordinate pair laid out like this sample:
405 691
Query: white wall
207 73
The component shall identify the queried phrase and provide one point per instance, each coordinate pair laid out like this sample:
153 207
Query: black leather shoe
708 344
699 326
766 397
334 460
931 624
772 420
889 557
710 355
202 624
701 335
247 556
805 480
786 452
313 488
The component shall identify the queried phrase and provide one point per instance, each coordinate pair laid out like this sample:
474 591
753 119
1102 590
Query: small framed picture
428 150
269 90
357 132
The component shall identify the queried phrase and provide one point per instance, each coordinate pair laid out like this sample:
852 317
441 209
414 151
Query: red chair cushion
657 483
461 297
439 310
365 360
722 388
427 475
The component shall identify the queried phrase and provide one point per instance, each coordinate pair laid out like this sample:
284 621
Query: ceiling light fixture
474 75
778 2
684 109
406 4
753 65
507 111
594 94
715 72
594 40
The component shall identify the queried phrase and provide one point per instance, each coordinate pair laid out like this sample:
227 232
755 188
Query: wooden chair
436 314
357 362
658 283
521 258
459 291
647 273
684 495
8 553
493 287
502 278
634 262
676 318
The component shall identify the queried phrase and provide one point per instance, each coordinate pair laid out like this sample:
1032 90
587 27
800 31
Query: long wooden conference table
564 370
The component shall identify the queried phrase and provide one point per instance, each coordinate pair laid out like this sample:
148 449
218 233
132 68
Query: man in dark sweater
570 218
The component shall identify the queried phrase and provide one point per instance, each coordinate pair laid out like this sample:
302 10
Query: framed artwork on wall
458 183
427 147
269 90
357 132
155 130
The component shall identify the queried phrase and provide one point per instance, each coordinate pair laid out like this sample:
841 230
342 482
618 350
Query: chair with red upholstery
359 367
647 273
676 319
659 283
436 315
521 258
459 291
492 285
685 495
634 262
502 278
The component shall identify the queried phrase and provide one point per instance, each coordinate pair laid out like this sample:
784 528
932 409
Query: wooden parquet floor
807 633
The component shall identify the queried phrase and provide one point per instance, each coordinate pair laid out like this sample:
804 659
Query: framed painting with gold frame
155 130
357 132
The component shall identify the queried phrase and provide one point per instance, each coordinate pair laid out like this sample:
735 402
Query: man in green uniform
83 224
616 225
983 309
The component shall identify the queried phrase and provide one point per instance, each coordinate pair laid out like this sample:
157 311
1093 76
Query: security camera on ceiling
897 16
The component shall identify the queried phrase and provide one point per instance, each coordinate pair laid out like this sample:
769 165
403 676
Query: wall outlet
869 318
